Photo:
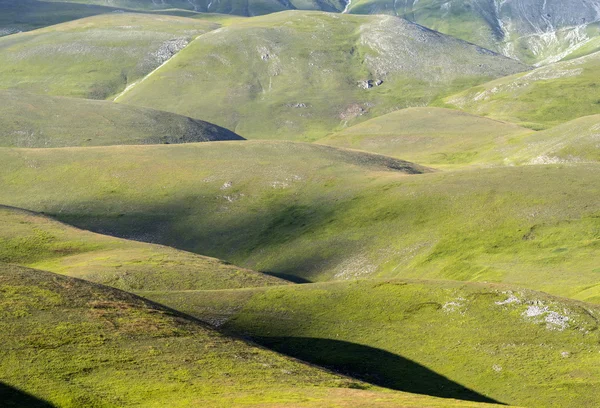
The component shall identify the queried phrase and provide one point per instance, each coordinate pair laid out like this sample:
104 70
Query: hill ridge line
139 81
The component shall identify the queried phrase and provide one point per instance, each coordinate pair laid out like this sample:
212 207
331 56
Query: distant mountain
300 75
533 31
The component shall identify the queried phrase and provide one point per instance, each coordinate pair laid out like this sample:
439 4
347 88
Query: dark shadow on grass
287 277
11 397
372 365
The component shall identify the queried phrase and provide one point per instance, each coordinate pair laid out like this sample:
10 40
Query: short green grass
30 120
516 346
33 240
434 137
539 99
72 343
296 75
95 57
309 212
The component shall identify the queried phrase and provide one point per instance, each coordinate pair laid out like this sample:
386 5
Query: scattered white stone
226 185
496 368
554 320
510 300
565 354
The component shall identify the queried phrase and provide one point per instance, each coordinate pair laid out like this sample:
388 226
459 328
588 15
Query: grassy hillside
34 240
72 343
29 120
432 136
541 98
94 57
574 141
300 75
516 346
309 212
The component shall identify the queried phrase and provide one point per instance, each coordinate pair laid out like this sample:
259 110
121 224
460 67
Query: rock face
534 31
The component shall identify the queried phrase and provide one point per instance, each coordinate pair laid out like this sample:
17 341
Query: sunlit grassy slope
94 57
72 343
541 98
433 136
317 213
29 120
33 240
574 141
516 346
299 75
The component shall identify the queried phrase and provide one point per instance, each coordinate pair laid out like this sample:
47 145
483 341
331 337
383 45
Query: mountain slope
29 120
300 75
94 57
308 212
542 98
34 240
432 136
534 31
574 141
516 346
73 344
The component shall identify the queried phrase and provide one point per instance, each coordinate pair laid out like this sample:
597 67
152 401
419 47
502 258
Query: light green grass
433 136
74 344
96 57
516 346
318 213
29 120
540 99
296 75
33 240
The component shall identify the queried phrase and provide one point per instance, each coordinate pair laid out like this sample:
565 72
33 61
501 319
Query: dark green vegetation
299 75
29 120
73 344
317 213
96 57
513 345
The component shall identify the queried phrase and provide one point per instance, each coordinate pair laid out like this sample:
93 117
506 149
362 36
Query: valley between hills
299 203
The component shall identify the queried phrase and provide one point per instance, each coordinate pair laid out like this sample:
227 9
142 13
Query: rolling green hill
516 346
95 57
72 343
300 75
309 212
542 98
29 120
574 141
432 136
33 240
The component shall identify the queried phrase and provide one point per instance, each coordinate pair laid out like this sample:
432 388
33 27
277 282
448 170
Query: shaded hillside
300 75
29 120
497 340
73 343
319 213
34 240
